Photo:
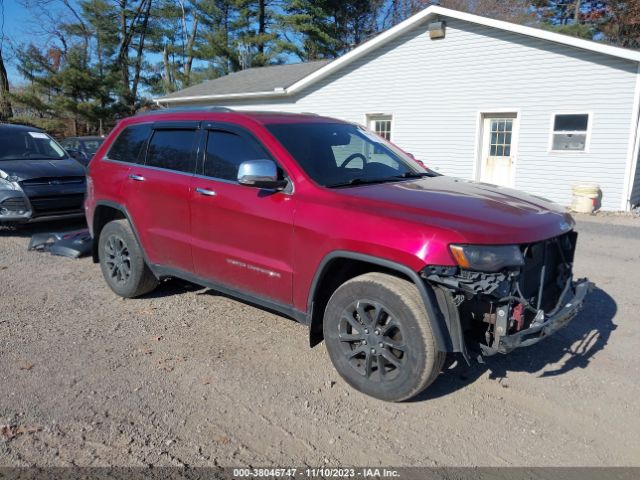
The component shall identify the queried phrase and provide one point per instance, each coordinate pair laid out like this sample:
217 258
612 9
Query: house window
381 124
570 132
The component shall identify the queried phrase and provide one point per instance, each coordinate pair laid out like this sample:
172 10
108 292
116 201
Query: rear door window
129 146
226 151
172 150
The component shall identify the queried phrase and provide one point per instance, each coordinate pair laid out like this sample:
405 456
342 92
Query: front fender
434 314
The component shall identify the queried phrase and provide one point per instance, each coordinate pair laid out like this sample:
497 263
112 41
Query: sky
16 30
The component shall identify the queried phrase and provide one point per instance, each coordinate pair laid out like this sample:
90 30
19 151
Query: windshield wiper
394 178
365 181
413 175
360 181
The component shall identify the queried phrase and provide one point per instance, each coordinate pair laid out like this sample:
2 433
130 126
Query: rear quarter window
129 145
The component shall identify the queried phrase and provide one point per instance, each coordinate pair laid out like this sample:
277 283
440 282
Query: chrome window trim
231 182
120 162
160 169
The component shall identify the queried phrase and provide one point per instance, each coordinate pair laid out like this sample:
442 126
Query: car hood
27 169
476 212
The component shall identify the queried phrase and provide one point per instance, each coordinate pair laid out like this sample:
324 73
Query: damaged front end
524 299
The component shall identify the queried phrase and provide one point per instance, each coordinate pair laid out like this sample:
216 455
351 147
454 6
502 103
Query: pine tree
329 28
218 42
257 44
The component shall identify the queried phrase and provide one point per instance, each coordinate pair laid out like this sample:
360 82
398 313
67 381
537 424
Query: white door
498 149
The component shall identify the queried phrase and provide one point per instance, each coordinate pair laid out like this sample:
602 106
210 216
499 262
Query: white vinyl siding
437 91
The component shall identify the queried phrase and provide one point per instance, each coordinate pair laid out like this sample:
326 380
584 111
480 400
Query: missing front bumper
569 306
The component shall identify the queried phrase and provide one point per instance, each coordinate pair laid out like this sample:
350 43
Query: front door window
498 149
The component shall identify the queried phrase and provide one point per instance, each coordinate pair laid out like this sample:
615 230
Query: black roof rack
205 108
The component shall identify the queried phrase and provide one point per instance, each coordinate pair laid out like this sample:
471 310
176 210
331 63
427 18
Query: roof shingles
262 79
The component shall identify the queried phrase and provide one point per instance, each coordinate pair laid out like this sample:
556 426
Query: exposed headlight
487 258
7 185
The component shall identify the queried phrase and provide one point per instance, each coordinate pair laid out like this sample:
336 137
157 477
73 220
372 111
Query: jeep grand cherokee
390 263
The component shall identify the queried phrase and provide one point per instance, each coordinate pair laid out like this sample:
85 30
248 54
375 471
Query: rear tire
122 261
379 337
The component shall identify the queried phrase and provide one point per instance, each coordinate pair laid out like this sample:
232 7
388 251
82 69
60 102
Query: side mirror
260 174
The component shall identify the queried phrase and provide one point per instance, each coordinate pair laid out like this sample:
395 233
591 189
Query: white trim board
634 148
587 133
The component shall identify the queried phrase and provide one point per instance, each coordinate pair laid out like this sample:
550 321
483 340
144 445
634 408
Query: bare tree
134 25
509 10
5 104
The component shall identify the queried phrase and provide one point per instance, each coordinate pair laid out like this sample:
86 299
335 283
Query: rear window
172 149
130 143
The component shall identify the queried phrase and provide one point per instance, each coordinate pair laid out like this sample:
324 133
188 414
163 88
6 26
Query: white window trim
372 117
587 142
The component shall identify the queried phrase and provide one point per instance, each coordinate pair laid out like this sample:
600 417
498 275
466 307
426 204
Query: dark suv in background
38 179
82 148
324 221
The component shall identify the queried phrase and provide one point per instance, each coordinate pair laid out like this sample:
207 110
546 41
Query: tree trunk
127 31
576 13
262 24
5 103
168 77
123 54
190 46
140 54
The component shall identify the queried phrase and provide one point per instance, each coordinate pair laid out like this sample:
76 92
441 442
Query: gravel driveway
190 377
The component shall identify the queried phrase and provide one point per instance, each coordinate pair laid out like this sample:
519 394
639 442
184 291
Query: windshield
23 145
339 154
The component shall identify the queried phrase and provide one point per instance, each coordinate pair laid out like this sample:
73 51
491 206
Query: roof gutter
279 92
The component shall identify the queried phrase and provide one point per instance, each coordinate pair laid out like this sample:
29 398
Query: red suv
391 264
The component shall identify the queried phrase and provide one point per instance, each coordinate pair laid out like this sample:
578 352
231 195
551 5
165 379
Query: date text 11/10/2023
321 472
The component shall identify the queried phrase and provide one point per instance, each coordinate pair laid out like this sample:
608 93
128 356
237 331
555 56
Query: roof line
409 23
221 96
581 43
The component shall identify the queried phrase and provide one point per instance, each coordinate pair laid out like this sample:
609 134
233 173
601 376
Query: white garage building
488 100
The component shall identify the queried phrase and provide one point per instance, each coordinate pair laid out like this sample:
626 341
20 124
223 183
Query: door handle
137 178
205 192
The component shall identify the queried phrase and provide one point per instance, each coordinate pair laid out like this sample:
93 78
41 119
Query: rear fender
96 237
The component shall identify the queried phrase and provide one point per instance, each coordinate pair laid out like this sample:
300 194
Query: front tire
122 262
379 337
